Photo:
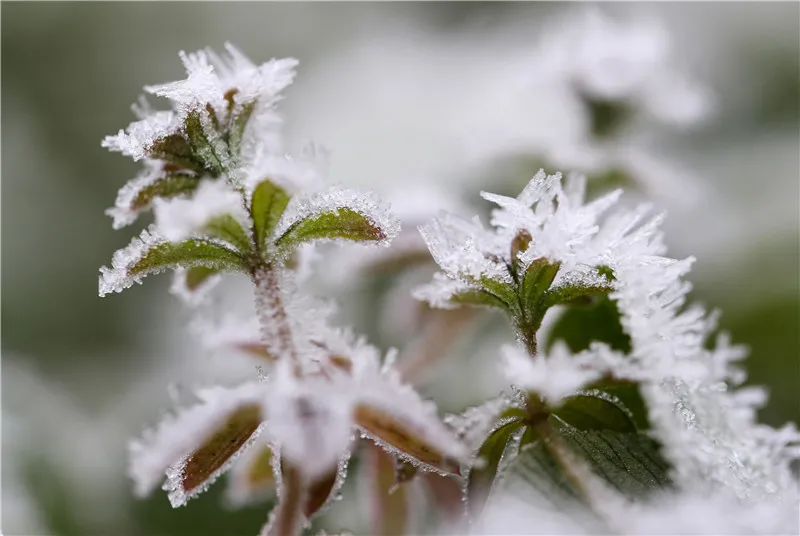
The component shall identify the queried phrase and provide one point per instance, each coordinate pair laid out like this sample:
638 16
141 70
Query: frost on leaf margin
204 439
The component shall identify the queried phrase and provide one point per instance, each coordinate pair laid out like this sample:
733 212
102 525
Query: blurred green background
69 71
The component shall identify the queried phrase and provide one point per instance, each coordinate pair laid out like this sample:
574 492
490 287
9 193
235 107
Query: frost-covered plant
608 420
621 417
226 200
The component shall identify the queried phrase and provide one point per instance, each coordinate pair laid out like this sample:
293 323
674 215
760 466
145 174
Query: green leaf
537 279
268 205
630 462
481 477
197 275
596 412
479 298
340 224
627 392
166 187
580 326
238 125
573 294
211 153
534 476
175 149
226 228
189 253
502 291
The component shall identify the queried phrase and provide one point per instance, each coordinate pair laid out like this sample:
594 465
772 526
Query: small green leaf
537 279
340 224
573 294
268 205
238 125
502 291
166 187
596 412
481 477
630 462
627 392
210 153
197 275
479 298
189 253
226 228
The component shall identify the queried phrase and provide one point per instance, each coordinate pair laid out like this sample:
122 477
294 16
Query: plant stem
289 516
276 331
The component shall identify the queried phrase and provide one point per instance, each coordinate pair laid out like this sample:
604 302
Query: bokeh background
383 88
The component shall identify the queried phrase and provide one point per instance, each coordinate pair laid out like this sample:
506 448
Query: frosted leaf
554 376
151 253
440 292
399 420
136 196
167 446
136 140
306 207
179 218
118 278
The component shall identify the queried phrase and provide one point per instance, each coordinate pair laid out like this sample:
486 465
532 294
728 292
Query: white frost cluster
563 228
708 428
555 376
209 78
179 218
625 61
